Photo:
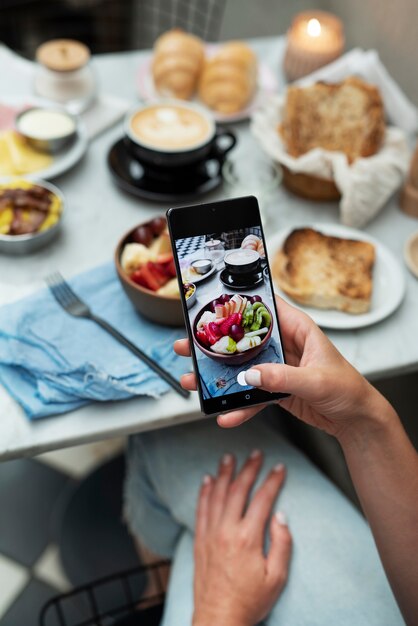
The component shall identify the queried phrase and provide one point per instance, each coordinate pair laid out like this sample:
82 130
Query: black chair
88 605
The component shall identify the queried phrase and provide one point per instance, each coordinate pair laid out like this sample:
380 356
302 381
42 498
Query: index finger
182 347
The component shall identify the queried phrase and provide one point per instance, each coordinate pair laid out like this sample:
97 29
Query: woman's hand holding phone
325 390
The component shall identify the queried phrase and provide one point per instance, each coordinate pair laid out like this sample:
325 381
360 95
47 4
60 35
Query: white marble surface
98 214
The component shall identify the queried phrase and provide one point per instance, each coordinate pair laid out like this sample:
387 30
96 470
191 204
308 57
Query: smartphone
228 299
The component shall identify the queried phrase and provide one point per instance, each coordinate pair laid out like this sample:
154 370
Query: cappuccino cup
173 133
241 262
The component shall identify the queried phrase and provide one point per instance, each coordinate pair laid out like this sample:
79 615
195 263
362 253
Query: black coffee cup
216 145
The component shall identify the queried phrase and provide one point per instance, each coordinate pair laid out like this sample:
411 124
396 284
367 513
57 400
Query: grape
254 299
236 332
213 305
224 298
142 234
157 225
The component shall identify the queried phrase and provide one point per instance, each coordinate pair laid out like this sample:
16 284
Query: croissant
177 63
229 79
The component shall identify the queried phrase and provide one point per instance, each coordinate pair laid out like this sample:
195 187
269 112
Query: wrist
217 618
375 418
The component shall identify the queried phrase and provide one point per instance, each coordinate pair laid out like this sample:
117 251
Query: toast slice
325 272
345 117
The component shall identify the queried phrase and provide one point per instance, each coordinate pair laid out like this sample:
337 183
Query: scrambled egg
17 157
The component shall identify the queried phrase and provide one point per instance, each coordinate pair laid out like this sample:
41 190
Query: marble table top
98 213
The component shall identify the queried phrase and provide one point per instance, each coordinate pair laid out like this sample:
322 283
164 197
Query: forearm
384 468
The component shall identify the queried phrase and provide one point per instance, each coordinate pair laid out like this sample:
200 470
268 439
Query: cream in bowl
46 129
174 134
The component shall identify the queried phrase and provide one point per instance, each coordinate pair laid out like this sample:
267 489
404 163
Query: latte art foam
170 127
242 257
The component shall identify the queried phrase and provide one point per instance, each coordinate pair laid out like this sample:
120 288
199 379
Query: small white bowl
202 268
411 253
51 144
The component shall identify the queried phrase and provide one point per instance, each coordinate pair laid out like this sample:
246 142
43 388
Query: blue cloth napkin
51 362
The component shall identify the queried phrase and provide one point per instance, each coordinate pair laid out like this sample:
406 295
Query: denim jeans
336 578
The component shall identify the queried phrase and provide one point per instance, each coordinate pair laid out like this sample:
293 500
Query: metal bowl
53 144
192 299
25 244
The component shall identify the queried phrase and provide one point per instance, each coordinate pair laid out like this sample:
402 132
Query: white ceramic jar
64 74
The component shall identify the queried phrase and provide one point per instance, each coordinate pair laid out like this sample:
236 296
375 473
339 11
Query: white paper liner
365 185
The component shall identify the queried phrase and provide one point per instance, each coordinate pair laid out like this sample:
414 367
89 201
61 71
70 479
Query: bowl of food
189 294
30 215
46 129
233 329
145 266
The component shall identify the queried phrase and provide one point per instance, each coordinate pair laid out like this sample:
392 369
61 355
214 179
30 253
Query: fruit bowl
237 358
163 309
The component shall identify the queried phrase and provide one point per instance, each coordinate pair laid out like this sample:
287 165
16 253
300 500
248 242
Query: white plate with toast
388 281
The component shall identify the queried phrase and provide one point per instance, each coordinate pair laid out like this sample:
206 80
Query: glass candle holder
314 39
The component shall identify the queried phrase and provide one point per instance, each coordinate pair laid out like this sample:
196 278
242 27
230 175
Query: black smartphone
228 299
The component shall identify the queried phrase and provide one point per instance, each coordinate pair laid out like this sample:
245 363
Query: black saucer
183 185
245 283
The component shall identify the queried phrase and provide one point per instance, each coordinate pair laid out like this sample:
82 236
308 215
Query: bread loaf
346 117
177 63
325 272
229 79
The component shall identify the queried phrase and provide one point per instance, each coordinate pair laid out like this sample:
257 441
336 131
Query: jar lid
63 55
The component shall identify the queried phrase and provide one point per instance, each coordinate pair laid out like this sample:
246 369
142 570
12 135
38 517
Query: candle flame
314 28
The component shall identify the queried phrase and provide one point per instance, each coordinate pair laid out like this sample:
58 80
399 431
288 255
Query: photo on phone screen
230 306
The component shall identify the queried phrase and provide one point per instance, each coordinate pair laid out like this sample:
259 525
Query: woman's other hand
235 582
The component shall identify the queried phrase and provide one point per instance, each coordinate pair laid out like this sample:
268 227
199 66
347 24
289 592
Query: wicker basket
309 186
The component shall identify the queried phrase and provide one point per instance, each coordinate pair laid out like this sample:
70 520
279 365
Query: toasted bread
325 272
346 117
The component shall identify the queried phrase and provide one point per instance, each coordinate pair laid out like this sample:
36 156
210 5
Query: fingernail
227 459
253 377
206 479
281 518
255 454
278 468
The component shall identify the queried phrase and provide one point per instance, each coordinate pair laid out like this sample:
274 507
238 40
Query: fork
72 304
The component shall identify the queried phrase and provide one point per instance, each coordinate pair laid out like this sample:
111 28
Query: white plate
267 84
62 161
388 281
200 277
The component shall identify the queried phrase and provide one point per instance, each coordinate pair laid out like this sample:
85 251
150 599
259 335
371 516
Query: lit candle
314 39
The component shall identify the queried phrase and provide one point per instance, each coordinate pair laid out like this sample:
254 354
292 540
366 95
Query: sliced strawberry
235 318
213 332
202 337
158 272
145 278
139 279
165 258
171 268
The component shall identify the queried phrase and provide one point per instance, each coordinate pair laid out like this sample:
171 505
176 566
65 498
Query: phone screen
228 299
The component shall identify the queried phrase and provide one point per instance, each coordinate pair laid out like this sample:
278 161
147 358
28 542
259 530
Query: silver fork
71 303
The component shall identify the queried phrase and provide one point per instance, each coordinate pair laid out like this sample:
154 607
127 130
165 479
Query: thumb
280 549
304 382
